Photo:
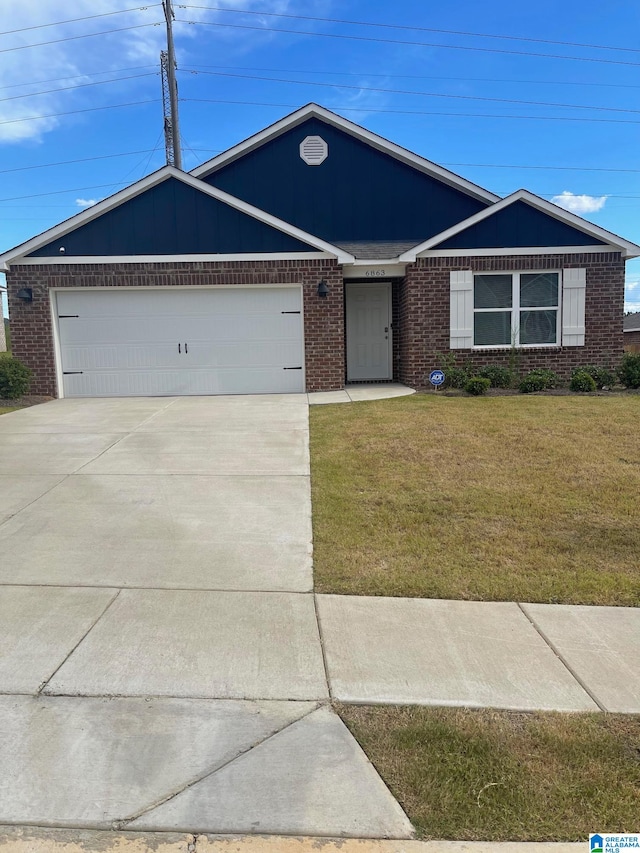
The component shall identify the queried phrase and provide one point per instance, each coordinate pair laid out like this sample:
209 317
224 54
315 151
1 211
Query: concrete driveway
160 663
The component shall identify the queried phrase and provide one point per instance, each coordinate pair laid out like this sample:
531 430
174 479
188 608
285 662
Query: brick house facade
407 265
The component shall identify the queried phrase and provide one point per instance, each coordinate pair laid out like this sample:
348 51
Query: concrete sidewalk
164 662
35 840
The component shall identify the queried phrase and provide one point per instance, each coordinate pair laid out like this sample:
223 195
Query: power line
420 112
78 76
79 86
74 112
80 160
218 151
422 77
410 92
75 20
411 43
406 27
74 38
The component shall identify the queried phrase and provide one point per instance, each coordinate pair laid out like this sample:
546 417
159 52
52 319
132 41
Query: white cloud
579 203
86 202
632 294
79 58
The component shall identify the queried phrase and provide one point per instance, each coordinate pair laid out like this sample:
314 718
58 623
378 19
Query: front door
368 310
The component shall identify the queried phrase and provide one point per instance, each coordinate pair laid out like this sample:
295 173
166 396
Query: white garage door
152 341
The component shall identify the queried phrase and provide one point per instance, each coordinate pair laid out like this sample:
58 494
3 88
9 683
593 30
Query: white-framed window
520 309
516 309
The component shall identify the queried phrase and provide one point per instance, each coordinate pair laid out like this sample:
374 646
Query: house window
516 309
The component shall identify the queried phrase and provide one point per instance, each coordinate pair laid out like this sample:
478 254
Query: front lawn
5 409
505 776
501 498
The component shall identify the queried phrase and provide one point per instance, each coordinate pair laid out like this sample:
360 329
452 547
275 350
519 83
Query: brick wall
424 315
31 323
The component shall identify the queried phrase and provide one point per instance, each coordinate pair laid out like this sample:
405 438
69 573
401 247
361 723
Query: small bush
540 379
15 378
629 370
456 377
500 377
477 385
602 376
582 381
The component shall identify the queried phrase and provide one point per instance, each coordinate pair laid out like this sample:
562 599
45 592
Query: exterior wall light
26 294
323 289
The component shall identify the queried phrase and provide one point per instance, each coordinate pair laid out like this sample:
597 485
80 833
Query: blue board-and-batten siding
357 193
518 225
172 218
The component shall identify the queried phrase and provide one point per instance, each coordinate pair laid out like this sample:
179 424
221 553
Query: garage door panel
119 342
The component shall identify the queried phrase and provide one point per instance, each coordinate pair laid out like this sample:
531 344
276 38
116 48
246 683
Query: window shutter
461 311
574 283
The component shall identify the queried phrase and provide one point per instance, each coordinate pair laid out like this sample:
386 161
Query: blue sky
454 97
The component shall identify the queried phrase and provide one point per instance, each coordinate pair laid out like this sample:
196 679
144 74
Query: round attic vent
314 150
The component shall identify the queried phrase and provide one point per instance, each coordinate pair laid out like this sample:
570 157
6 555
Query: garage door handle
179 350
292 368
186 348
289 312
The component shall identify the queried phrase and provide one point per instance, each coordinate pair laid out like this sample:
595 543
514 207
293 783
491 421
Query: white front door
369 350
179 341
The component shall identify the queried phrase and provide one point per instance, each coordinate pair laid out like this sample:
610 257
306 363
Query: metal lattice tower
170 93
166 110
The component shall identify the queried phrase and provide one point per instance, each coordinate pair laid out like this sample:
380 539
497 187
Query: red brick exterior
424 315
31 322
420 310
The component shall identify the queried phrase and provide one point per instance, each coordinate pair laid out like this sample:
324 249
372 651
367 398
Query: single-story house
313 254
632 332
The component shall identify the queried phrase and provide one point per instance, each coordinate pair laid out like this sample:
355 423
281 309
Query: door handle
179 350
186 348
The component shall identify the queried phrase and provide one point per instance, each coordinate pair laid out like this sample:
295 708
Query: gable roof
378 142
599 236
33 249
632 322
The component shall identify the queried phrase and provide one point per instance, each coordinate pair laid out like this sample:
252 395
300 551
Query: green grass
501 498
5 409
500 775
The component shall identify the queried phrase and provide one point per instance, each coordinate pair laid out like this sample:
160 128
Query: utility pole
170 93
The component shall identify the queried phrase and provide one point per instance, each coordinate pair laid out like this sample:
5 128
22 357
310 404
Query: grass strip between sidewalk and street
516 498
505 776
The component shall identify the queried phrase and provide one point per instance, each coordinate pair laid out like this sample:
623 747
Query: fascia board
628 249
88 215
373 139
148 182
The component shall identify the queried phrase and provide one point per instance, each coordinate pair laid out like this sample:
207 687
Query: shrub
602 376
582 381
500 377
540 379
456 377
629 370
15 378
477 385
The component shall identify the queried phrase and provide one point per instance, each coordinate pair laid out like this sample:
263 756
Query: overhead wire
413 92
419 112
78 76
83 36
466 79
344 36
76 20
74 112
79 86
412 27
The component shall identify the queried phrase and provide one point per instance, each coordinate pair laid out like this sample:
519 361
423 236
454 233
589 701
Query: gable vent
314 150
